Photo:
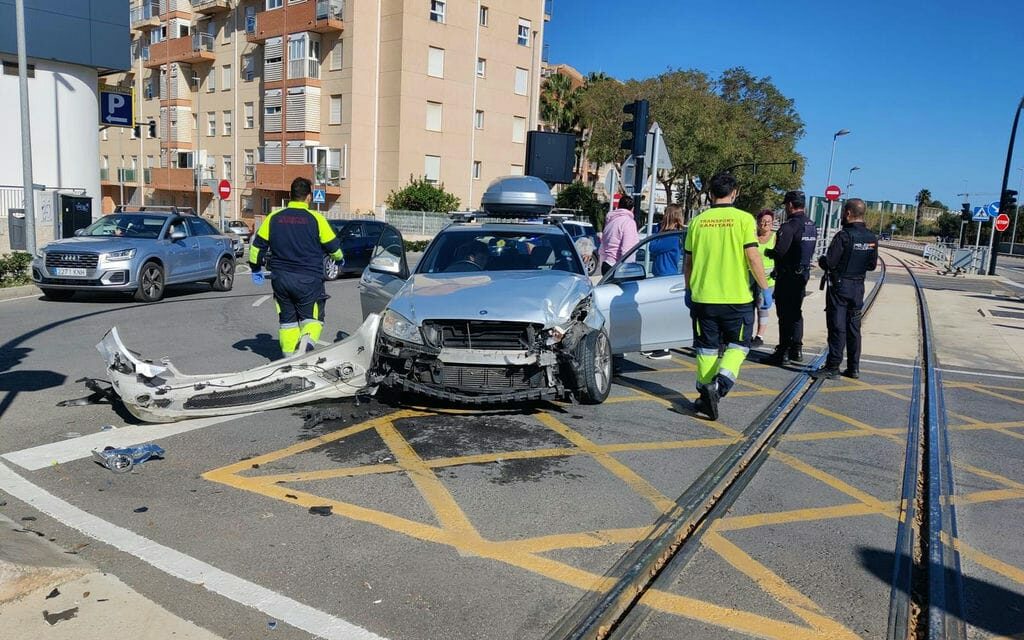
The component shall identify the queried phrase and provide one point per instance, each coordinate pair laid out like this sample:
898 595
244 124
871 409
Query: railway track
927 523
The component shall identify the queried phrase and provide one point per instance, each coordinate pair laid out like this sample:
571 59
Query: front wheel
225 275
591 262
58 294
594 355
151 283
331 268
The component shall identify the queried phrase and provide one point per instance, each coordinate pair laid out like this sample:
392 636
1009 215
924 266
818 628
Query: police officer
853 251
297 238
793 252
721 253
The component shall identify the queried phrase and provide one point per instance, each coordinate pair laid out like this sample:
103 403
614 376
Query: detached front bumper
158 392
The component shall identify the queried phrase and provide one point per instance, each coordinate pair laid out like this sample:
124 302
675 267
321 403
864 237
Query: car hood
538 297
96 245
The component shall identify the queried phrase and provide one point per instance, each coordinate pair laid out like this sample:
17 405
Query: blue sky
928 89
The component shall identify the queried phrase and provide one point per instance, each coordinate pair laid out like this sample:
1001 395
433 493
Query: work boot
708 401
779 358
827 372
851 373
796 354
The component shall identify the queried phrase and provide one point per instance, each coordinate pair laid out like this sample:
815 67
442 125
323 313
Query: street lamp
1016 213
849 179
195 157
828 181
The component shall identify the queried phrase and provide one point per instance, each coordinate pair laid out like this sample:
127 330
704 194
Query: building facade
356 95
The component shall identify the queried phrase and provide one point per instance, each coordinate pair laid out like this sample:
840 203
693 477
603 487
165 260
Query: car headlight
40 253
123 254
397 326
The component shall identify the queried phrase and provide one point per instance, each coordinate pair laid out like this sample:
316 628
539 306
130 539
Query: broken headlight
399 327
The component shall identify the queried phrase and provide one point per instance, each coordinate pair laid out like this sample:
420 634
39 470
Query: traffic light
152 128
965 211
1008 203
636 140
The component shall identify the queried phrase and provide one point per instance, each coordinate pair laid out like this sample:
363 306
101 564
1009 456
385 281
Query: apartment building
356 95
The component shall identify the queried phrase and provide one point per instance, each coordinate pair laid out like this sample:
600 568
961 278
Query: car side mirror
178 235
79 232
629 272
386 263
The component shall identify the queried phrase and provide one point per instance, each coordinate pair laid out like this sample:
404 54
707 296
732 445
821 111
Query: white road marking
260 300
35 295
242 268
958 371
182 566
63 451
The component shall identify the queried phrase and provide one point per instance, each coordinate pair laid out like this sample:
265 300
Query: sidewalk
46 592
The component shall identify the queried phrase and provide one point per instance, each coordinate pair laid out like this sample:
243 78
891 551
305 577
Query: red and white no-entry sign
833 192
224 189
1002 222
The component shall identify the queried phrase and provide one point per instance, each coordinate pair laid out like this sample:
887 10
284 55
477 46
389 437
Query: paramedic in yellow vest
297 239
721 253
765 241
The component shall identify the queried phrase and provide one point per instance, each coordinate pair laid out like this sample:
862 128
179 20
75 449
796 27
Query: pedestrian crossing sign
319 196
980 214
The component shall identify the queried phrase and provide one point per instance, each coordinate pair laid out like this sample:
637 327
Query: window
335 110
131 132
272 111
211 123
249 67
250 116
516 170
432 168
211 79
481 68
435 62
135 163
150 162
523 37
227 31
304 55
485 16
103 135
227 123
476 169
437 8
478 119
195 121
274 4
433 116
522 79
337 55
227 78
518 129
227 168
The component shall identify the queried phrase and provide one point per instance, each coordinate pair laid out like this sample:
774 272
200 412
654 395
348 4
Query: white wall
64 115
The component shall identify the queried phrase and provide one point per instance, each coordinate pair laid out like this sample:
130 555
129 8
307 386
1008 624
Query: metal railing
205 173
304 68
326 9
126 175
329 175
147 176
417 224
144 11
105 174
202 42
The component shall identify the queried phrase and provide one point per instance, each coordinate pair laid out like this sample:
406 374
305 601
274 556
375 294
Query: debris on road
124 460
100 394
140 510
54 618
271 624
53 594
324 510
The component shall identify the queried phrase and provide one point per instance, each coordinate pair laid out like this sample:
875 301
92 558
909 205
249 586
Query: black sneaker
826 373
796 354
756 342
852 373
708 402
779 358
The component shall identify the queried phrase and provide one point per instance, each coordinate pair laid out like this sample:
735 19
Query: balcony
328 175
145 16
322 16
147 176
194 49
172 179
304 68
126 176
210 7
105 175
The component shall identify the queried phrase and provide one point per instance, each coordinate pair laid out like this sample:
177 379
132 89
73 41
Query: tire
151 283
58 294
591 263
225 275
331 269
594 354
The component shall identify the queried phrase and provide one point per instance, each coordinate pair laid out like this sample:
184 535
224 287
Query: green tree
581 197
601 118
559 103
948 225
423 195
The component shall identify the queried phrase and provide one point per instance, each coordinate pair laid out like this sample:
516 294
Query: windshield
471 250
126 225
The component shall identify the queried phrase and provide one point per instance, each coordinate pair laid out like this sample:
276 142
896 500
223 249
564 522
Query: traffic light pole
1006 179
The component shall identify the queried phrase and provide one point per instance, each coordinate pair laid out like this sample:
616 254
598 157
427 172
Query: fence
417 225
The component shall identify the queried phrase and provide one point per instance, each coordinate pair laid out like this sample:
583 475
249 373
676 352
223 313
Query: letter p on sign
116 108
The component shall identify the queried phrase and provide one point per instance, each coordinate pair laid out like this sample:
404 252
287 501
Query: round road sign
833 192
1002 222
224 189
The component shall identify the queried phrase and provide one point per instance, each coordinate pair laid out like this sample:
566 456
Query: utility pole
1006 179
26 131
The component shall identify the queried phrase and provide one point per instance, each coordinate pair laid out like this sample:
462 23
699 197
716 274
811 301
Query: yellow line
811 514
855 423
984 473
324 474
1006 570
1001 396
627 475
992 495
841 434
696 443
587 540
828 479
717 426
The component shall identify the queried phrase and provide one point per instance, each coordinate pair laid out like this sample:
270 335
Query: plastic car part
160 393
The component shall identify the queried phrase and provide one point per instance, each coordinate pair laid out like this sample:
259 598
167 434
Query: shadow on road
262 344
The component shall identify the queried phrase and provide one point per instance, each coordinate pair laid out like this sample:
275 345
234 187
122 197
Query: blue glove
341 262
257 278
688 300
766 299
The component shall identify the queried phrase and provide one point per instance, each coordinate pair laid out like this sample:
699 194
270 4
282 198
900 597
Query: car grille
79 260
479 334
483 378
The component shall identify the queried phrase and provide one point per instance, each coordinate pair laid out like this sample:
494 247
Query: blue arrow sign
992 208
980 214
319 196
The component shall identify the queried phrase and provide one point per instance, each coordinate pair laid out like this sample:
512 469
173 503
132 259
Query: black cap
795 198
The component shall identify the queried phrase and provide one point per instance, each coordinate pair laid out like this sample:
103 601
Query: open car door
385 274
642 298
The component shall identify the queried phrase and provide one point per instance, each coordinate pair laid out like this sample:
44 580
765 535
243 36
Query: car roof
578 222
507 227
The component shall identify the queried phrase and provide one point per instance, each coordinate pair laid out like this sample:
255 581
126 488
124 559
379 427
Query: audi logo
71 257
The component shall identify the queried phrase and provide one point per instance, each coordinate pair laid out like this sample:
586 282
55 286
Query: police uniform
853 251
793 252
721 298
297 239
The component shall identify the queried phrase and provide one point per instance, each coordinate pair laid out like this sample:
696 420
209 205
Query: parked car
140 250
587 242
504 311
358 238
239 228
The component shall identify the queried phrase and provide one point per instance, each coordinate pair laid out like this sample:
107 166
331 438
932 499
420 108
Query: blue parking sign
319 196
117 108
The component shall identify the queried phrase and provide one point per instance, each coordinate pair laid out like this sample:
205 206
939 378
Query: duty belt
797 271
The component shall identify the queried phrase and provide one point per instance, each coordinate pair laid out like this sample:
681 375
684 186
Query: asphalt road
445 524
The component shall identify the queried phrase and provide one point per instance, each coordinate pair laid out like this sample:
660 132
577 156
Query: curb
7 293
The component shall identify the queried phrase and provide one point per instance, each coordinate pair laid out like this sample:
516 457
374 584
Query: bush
14 269
416 246
420 195
582 198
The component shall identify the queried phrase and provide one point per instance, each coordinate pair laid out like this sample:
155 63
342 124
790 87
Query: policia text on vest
297 239
853 252
721 253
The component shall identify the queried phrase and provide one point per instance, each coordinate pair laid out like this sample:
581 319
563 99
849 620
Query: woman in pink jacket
619 234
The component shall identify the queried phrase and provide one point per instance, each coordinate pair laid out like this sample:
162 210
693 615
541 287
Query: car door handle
679 288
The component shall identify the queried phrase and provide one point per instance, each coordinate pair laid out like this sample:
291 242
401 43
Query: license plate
65 271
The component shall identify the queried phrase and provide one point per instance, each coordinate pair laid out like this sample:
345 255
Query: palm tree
924 198
559 103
